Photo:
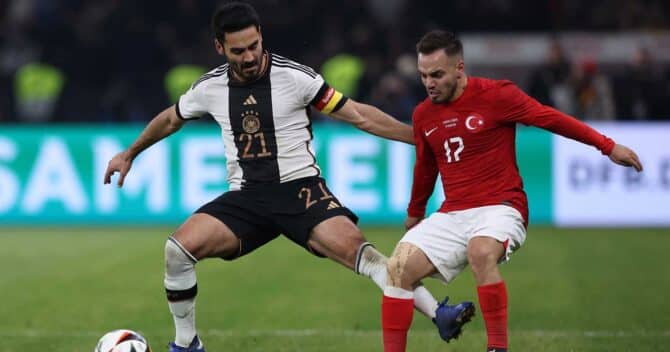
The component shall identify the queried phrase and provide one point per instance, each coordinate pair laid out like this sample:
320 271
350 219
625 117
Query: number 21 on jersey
453 155
249 139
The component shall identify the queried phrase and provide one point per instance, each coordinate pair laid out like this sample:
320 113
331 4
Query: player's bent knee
338 238
395 267
180 279
481 257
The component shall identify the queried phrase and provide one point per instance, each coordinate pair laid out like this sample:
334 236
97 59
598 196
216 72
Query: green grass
570 290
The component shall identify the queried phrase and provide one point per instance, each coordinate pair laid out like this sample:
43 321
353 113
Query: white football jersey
265 124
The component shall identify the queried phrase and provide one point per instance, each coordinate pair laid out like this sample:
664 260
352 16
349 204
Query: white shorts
444 237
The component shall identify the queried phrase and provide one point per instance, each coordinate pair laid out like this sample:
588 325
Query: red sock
396 319
493 303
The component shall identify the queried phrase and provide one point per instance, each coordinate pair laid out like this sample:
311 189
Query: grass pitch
570 290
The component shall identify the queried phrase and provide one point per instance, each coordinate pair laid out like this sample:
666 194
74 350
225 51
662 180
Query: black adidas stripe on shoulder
220 68
312 75
284 62
284 58
219 71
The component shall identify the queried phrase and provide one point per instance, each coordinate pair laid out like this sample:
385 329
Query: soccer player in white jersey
261 102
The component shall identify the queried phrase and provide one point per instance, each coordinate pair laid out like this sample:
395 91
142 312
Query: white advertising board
590 190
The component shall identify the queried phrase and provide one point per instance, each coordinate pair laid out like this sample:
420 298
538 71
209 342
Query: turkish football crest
474 122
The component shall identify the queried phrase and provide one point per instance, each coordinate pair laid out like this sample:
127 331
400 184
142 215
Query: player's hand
623 155
411 221
120 163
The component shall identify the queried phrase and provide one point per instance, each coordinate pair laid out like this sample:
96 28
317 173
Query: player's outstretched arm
519 107
624 156
164 124
372 120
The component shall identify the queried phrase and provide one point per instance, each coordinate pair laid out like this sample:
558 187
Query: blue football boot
450 319
195 346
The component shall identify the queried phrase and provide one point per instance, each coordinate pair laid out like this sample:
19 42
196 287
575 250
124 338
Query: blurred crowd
124 61
635 90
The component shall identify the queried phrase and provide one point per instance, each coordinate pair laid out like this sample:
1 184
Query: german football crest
250 121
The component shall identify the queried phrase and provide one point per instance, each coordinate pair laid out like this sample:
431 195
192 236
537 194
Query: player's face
440 74
244 51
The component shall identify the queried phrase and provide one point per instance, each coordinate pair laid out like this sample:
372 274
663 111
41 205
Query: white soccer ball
122 340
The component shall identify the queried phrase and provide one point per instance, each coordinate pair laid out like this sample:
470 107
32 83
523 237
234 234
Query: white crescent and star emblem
474 122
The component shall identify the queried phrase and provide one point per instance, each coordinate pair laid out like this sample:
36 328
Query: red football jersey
471 142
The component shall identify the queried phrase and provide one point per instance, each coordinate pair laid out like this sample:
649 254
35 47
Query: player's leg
339 239
483 255
437 247
406 268
500 231
228 227
310 215
199 237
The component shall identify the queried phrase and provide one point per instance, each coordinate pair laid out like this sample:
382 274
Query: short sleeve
191 105
311 88
316 92
308 84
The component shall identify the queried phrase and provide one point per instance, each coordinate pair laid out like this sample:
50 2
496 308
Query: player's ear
460 67
219 46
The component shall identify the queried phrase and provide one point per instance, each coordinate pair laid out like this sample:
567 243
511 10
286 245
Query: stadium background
79 79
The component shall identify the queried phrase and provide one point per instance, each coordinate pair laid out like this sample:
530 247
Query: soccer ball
122 340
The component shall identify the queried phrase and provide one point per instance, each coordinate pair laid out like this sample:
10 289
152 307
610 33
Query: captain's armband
328 100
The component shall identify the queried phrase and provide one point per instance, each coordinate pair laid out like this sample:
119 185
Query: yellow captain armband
328 100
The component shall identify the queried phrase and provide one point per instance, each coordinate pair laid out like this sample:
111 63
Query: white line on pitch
316 332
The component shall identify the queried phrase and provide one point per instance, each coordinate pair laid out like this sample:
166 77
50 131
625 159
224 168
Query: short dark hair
439 39
233 17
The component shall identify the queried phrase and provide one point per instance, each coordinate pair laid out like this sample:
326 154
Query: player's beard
449 95
248 75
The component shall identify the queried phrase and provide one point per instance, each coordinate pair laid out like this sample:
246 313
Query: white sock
424 301
371 263
398 292
183 313
181 288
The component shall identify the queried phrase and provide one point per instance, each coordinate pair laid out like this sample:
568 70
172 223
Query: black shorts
260 214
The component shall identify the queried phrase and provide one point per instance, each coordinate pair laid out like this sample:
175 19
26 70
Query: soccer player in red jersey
465 130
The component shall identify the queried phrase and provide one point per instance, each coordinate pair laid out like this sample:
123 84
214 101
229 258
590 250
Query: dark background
114 54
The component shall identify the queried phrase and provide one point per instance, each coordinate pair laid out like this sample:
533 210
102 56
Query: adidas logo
333 205
250 100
